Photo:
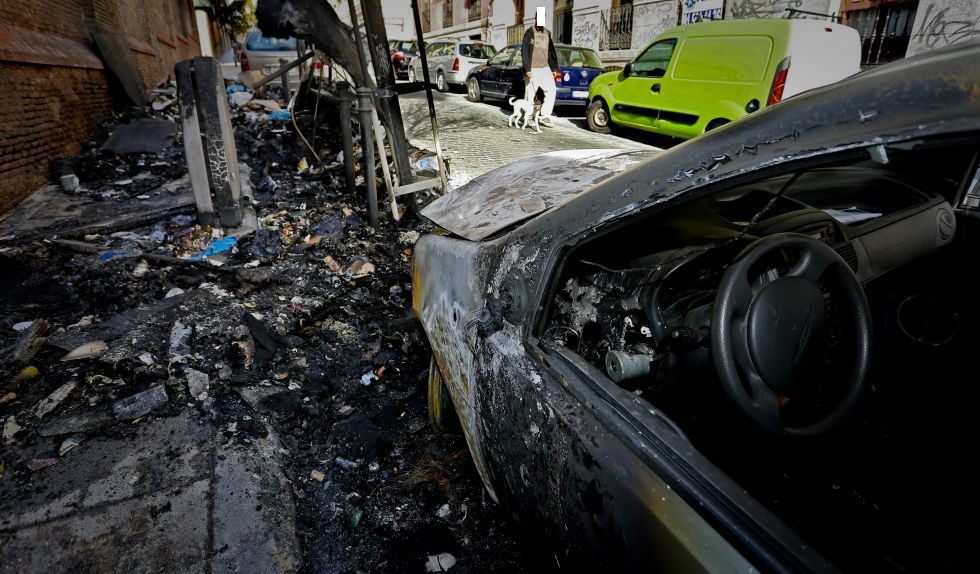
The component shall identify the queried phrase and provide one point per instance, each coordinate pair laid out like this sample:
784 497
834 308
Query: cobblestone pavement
475 136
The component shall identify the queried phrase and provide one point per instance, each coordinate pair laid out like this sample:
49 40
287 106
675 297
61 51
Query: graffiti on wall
651 19
776 8
941 26
701 10
586 32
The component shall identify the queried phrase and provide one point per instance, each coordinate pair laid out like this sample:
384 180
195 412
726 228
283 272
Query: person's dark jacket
526 51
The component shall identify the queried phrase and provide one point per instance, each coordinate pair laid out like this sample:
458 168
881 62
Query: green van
695 77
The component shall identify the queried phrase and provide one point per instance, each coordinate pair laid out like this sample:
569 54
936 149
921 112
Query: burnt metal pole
428 92
377 39
285 80
343 89
365 107
365 103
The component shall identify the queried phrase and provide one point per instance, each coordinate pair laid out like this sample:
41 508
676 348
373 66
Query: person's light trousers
542 78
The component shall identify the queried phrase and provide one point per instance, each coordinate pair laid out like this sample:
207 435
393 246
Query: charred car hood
526 188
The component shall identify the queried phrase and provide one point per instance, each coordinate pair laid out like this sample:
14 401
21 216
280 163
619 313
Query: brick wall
54 91
45 112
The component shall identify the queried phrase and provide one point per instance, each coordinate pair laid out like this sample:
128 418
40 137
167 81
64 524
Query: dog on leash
530 111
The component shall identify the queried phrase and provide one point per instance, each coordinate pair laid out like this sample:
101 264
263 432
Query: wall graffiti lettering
651 19
762 8
939 30
653 9
586 33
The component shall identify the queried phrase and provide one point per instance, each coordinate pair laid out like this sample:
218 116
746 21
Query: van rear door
822 53
636 96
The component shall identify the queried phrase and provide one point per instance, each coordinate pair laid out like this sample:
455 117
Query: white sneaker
546 122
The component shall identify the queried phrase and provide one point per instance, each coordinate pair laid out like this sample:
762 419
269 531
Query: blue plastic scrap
280 115
218 246
110 254
235 88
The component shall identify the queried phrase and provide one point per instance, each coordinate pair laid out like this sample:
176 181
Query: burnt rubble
121 309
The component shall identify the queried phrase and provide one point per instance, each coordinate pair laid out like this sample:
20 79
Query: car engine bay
638 302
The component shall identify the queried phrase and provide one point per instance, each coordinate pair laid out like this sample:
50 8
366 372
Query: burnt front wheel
442 412
598 117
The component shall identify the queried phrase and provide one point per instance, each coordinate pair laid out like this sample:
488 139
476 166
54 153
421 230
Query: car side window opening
476 51
502 57
518 59
653 62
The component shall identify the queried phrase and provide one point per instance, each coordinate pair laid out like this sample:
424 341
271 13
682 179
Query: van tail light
779 82
456 65
558 78
318 65
398 56
243 60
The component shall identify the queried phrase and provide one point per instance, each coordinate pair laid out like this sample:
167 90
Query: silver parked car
450 61
263 53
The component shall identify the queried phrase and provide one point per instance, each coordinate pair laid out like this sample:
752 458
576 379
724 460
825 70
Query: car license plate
270 70
580 94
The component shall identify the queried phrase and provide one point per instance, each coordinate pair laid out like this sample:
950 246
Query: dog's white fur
530 111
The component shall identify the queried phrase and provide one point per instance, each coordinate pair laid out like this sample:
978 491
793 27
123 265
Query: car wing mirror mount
628 70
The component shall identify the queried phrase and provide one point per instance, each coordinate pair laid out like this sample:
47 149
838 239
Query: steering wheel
765 338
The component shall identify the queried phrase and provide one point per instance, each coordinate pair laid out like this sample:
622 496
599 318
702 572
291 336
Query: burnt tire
598 117
442 412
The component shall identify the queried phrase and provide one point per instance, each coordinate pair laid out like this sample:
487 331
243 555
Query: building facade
56 88
618 29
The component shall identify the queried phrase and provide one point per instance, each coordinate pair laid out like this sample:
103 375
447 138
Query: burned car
752 351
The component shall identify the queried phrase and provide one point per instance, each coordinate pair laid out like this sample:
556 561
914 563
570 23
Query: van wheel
442 412
715 123
441 84
473 92
598 117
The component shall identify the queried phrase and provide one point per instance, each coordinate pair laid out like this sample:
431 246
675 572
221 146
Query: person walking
540 64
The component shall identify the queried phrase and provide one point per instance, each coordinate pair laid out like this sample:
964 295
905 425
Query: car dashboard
643 315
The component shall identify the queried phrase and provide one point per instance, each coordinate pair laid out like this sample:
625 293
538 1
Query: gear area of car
806 334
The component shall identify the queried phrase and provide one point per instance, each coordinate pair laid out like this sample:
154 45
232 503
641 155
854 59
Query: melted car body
750 351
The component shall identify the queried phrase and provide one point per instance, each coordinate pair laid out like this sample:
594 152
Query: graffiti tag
762 8
939 30
586 33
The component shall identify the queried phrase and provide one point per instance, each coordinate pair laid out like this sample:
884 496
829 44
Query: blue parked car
503 75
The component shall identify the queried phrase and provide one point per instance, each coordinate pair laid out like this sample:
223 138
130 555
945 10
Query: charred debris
119 307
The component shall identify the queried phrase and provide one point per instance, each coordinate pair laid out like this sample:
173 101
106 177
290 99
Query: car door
573 464
431 53
636 95
438 60
491 75
512 76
